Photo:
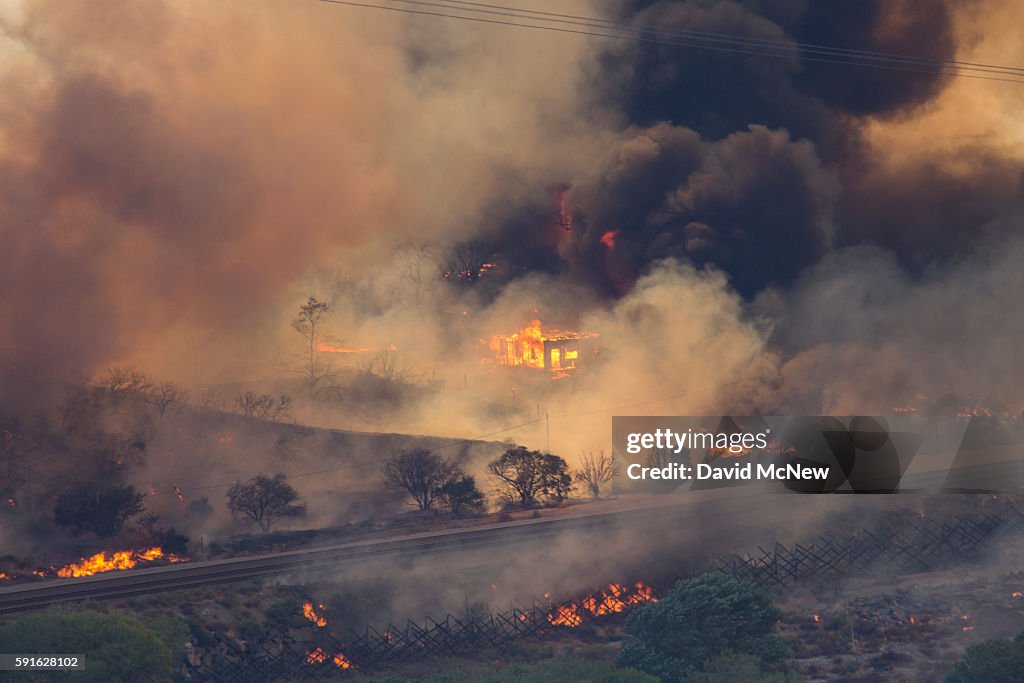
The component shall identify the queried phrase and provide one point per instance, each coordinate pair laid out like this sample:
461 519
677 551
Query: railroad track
141 581
672 525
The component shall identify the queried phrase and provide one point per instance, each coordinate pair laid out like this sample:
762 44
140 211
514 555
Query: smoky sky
169 169
759 165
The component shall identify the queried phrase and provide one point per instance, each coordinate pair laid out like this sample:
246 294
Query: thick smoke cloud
172 173
757 204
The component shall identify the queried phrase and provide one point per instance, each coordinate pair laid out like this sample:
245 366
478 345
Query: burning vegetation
612 600
312 615
116 561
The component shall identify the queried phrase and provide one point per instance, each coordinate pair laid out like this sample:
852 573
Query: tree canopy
101 509
698 621
528 477
460 495
992 661
419 473
264 500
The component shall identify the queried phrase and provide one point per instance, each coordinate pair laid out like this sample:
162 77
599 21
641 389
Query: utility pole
547 428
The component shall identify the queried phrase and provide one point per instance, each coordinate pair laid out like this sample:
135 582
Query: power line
731 38
1015 74
365 463
471 439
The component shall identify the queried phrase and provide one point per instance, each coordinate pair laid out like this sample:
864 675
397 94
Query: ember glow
324 347
312 615
343 662
317 656
554 350
117 561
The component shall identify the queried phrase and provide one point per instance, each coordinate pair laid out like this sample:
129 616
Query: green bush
993 661
697 622
116 648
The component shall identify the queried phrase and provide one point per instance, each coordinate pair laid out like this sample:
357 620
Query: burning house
555 350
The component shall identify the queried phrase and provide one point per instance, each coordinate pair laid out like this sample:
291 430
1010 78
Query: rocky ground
908 629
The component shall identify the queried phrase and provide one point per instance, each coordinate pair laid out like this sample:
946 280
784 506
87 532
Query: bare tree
595 471
663 457
386 365
469 261
307 323
264 407
121 381
166 396
211 398
414 262
421 474
150 523
264 500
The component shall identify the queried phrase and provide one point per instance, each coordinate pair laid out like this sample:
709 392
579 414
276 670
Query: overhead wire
707 41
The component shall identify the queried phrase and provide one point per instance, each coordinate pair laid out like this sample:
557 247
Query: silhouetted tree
166 396
264 406
419 473
121 381
468 261
264 500
527 477
101 509
200 509
460 496
307 323
596 470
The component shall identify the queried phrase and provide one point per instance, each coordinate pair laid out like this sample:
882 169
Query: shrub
697 622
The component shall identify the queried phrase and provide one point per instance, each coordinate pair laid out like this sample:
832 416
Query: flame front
311 614
566 615
343 662
102 562
616 598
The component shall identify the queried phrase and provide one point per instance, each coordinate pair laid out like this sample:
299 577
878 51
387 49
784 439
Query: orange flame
816 617
343 662
531 347
608 238
311 615
324 347
117 561
4 576
317 656
614 599
566 615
